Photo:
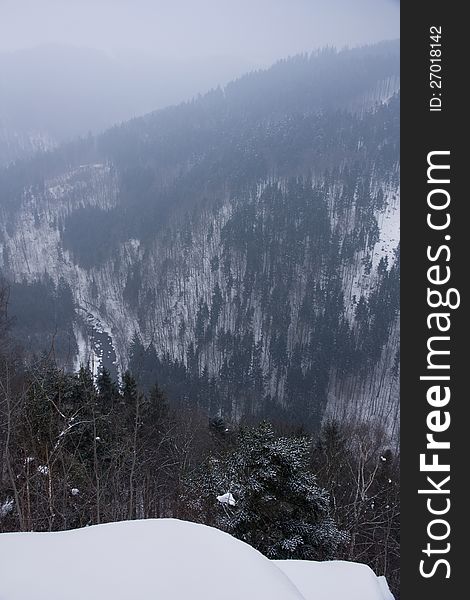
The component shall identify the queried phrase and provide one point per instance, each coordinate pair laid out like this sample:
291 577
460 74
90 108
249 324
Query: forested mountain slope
241 248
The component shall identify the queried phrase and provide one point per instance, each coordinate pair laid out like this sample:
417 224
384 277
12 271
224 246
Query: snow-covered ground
167 559
335 580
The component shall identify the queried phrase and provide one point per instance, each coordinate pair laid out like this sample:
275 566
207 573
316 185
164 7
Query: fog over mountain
69 68
53 92
260 31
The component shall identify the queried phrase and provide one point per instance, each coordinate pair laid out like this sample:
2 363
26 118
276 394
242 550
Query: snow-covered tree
276 505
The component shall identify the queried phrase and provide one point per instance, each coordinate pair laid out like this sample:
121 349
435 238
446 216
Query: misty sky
259 31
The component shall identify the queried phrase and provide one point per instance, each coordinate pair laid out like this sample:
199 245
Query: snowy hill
248 240
166 559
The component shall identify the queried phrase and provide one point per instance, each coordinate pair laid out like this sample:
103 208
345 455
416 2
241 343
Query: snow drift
166 559
335 580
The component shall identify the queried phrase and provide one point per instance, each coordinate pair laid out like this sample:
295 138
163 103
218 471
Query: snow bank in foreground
165 559
335 579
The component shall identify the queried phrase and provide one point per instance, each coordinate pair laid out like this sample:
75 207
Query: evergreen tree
275 505
108 392
158 405
129 388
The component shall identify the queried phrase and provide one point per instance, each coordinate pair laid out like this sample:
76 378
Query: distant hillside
53 93
241 248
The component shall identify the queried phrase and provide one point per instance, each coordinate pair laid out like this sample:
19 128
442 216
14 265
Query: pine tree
108 392
129 388
216 305
158 408
279 508
136 353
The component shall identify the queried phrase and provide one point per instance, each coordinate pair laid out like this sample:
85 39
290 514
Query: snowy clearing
166 559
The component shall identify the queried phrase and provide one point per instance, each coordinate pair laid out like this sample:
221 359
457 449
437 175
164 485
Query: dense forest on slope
77 450
241 248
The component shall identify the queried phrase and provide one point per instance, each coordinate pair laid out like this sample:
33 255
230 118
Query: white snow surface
166 559
335 580
227 499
